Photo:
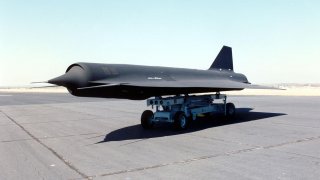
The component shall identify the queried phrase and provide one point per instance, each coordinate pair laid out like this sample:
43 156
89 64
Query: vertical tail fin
223 60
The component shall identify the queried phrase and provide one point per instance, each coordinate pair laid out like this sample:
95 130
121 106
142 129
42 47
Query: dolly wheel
230 110
146 119
180 121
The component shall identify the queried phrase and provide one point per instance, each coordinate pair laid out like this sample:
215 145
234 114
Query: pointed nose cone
62 80
75 77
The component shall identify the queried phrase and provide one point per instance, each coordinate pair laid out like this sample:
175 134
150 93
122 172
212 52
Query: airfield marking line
66 162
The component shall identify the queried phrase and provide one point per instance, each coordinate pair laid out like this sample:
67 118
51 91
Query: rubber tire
178 118
146 123
230 111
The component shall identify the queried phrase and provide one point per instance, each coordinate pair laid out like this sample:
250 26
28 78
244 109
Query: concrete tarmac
58 136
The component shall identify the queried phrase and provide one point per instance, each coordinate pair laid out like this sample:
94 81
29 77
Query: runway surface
58 136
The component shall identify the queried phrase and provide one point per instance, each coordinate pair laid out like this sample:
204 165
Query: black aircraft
142 82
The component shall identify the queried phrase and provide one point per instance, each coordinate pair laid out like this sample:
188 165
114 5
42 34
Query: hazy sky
273 41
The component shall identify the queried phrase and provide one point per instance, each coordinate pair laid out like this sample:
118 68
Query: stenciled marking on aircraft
154 78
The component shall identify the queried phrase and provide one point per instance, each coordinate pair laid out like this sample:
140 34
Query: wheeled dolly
181 110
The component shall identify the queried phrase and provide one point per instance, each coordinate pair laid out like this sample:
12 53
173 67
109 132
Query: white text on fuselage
154 78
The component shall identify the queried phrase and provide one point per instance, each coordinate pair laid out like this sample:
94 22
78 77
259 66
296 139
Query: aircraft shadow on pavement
161 130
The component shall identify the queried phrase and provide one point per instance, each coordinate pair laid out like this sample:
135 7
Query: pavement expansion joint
132 142
41 138
48 122
206 157
177 162
66 162
303 155
16 140
76 112
292 142
223 140
288 124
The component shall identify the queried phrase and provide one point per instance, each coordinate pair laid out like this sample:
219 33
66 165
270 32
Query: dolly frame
188 107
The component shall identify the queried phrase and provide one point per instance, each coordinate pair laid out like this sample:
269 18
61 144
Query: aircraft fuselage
115 80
